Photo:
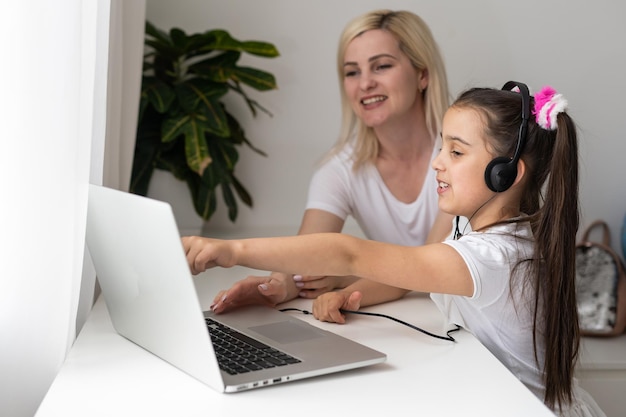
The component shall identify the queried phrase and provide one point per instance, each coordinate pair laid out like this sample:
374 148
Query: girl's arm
375 292
430 268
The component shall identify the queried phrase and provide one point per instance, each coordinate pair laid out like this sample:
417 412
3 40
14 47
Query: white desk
106 375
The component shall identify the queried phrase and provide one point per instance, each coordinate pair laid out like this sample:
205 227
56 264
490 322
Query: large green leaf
260 80
164 50
222 40
264 49
196 148
175 126
156 33
179 39
218 39
162 43
202 96
220 174
215 118
204 197
158 93
197 44
197 90
218 68
206 202
228 154
243 194
172 158
231 202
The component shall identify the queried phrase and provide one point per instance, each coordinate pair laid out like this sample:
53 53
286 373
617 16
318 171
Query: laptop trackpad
286 332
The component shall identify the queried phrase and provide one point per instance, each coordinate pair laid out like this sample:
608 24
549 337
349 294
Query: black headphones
502 171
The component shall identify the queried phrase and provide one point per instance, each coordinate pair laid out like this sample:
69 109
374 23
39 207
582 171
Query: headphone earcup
500 174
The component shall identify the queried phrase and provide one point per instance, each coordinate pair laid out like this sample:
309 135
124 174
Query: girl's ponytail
556 225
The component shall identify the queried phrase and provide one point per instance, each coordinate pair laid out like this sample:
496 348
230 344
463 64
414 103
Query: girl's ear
521 171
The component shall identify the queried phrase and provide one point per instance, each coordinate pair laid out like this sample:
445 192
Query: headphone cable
365 313
457 233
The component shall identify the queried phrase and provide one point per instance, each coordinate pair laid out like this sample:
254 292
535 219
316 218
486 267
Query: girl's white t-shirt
499 312
500 318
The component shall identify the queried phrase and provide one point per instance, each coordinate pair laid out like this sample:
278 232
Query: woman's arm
320 221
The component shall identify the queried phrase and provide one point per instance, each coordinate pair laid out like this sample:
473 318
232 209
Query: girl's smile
442 187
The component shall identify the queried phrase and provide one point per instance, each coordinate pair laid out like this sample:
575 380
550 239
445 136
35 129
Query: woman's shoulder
344 159
344 154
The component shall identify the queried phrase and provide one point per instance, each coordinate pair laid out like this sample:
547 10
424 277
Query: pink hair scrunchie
548 104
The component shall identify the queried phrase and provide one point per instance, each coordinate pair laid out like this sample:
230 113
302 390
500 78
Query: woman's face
461 164
379 80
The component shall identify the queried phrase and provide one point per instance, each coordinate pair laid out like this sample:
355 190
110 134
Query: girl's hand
326 307
203 253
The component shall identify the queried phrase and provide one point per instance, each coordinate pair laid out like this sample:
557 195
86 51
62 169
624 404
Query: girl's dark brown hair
550 202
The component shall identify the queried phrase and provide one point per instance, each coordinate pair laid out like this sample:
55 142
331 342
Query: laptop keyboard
238 353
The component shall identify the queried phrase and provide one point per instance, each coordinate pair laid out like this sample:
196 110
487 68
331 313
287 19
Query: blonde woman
394 95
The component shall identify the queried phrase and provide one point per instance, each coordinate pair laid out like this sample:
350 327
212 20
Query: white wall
577 46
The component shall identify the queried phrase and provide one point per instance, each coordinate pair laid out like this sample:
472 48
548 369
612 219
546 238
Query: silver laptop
149 291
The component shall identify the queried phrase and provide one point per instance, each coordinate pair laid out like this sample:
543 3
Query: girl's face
461 164
379 80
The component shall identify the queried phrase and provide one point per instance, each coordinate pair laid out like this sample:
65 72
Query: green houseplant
183 125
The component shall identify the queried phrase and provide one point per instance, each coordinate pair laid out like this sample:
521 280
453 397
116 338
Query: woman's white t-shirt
336 188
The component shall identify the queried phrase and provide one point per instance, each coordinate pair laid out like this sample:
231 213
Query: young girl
509 164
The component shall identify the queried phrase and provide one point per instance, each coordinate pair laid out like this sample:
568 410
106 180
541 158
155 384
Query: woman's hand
314 286
264 290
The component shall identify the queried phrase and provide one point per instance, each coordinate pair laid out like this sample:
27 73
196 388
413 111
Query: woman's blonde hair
417 42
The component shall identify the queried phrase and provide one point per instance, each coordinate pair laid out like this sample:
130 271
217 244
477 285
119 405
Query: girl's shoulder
515 239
